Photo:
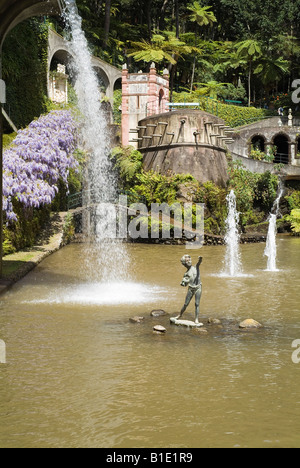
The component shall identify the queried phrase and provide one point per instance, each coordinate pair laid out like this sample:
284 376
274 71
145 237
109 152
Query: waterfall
101 182
271 247
233 264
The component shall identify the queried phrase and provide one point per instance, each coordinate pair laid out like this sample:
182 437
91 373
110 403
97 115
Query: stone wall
185 142
268 129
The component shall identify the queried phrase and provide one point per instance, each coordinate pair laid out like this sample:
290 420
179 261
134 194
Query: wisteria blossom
40 156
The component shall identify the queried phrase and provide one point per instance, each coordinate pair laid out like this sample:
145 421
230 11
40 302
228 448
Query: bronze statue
193 281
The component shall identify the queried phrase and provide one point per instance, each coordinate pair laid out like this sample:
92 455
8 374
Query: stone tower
143 95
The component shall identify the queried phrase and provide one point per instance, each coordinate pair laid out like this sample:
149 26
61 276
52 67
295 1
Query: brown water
78 374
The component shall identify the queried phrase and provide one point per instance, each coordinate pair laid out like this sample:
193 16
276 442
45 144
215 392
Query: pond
80 374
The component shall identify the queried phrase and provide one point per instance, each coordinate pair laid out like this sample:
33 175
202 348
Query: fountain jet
101 184
233 264
271 247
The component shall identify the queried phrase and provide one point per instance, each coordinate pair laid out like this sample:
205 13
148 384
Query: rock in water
159 329
250 323
136 319
185 323
158 313
214 321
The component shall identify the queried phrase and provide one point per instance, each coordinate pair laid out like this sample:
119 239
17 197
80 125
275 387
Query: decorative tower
143 94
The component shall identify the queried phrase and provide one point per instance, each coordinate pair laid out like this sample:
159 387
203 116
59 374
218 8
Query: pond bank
19 264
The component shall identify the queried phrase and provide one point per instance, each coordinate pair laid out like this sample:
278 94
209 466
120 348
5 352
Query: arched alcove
281 143
258 142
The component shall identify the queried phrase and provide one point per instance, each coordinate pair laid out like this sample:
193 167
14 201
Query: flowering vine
39 157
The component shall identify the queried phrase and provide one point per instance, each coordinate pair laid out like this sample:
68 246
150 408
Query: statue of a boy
193 281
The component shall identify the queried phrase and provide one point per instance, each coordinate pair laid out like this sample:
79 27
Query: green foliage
294 219
266 190
156 188
293 199
233 115
162 48
129 162
8 139
116 107
23 233
68 229
214 199
25 71
252 189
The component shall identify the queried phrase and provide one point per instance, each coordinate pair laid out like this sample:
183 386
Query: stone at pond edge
185 323
250 323
159 329
136 319
158 313
214 321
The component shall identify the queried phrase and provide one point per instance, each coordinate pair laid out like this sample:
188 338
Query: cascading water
233 264
271 247
101 183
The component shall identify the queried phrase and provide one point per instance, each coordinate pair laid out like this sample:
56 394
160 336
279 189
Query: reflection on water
79 374
114 293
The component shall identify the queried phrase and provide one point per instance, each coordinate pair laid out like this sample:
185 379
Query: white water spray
233 264
101 184
271 247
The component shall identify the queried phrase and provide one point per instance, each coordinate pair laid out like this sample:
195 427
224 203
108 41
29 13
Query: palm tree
270 70
250 51
160 49
202 16
212 89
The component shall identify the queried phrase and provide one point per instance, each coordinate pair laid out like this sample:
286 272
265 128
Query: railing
281 158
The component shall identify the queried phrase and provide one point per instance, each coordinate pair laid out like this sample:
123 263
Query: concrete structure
186 142
59 51
143 94
278 135
13 12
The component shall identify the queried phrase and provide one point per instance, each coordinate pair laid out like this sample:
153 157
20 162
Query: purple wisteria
40 156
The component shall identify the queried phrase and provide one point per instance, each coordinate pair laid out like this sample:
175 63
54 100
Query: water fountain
271 247
233 264
101 182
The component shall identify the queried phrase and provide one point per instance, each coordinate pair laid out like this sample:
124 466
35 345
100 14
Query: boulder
136 319
214 321
159 329
158 313
250 323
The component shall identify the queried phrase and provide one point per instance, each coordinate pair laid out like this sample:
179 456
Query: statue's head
186 261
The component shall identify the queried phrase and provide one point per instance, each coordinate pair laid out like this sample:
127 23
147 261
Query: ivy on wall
24 67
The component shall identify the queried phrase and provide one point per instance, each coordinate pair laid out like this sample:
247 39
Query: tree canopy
251 42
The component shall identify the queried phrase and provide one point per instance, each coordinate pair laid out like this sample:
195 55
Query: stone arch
118 84
103 79
282 142
258 141
108 74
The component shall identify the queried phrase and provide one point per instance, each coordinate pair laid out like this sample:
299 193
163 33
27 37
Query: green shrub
294 219
234 116
68 229
24 232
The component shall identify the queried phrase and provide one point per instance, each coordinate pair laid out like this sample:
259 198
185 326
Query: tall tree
202 16
107 22
251 51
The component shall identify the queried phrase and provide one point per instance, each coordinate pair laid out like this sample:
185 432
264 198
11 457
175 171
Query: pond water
79 374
